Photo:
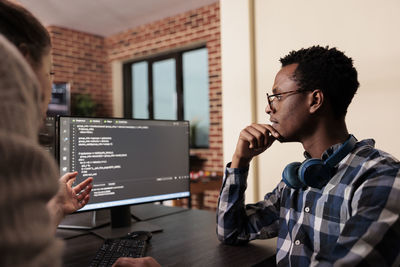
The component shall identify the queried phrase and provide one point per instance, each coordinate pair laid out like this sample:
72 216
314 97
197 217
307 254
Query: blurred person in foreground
33 42
33 202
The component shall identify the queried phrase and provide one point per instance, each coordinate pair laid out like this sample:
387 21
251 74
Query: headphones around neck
316 172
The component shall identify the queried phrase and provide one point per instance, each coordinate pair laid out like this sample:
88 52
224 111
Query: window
173 86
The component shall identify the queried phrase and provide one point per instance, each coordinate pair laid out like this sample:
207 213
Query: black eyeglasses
271 98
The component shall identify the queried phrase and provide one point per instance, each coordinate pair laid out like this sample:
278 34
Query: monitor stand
85 220
122 224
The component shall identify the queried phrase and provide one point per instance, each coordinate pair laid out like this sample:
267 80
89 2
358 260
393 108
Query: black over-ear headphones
316 172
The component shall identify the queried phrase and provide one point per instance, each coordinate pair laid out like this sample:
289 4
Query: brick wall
84 60
81 59
199 26
210 200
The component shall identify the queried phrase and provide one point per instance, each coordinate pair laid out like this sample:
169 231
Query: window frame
127 82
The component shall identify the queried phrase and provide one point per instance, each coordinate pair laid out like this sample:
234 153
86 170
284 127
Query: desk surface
188 239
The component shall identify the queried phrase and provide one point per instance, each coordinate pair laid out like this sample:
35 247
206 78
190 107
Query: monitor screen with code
131 161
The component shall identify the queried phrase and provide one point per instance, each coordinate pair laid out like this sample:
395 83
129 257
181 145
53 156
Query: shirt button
307 209
297 242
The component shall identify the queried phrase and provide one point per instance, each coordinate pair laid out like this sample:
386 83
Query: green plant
83 105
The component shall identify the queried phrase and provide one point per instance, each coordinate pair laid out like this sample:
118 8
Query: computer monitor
60 102
131 161
47 135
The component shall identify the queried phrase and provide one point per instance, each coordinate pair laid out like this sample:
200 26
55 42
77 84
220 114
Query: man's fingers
246 136
267 129
269 132
259 135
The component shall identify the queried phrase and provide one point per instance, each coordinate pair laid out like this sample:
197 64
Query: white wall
237 101
117 88
366 30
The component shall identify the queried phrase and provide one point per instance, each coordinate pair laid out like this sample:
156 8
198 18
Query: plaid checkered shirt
352 221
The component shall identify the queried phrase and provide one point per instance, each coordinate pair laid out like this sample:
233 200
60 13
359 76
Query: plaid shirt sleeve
238 223
371 236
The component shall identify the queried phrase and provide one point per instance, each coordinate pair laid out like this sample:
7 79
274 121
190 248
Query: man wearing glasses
341 205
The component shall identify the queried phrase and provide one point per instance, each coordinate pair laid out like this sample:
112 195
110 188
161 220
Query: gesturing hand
73 198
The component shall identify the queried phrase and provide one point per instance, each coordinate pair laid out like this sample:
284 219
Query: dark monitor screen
131 161
60 100
47 135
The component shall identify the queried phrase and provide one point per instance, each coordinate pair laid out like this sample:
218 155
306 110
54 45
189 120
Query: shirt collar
327 153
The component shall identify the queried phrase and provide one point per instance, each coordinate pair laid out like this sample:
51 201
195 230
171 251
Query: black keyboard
134 245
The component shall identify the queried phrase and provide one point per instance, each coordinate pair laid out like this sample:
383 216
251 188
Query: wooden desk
188 239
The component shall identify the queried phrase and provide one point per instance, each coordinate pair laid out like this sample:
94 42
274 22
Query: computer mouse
144 235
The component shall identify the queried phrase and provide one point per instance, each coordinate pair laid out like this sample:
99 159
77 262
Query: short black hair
327 69
19 26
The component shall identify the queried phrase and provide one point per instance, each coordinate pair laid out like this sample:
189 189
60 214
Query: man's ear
316 100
